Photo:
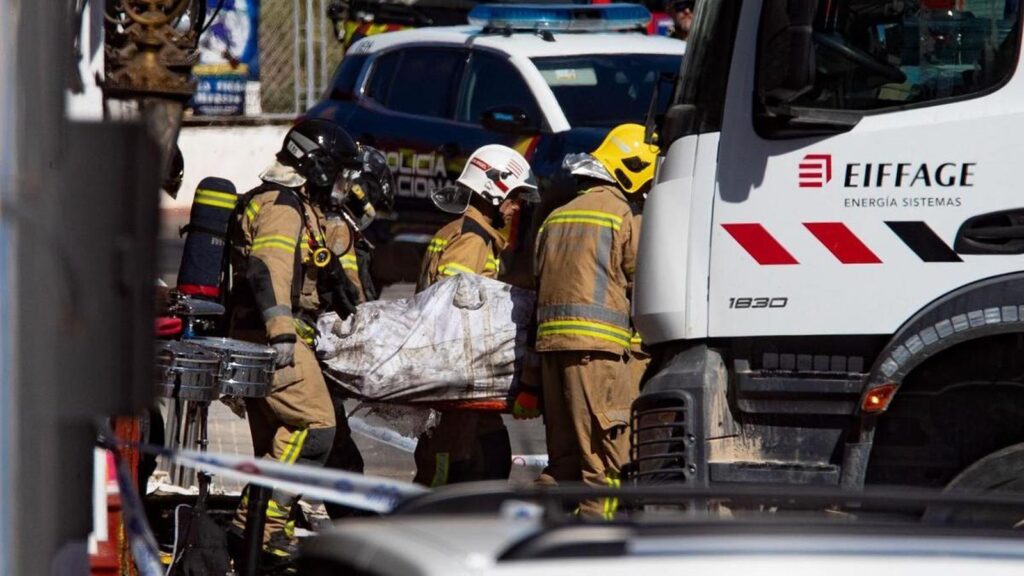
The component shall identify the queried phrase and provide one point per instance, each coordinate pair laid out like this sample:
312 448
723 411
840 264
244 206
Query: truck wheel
1001 471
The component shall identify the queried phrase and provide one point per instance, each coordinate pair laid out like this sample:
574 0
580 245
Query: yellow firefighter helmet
626 157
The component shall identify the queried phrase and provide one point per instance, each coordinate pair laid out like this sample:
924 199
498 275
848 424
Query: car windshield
606 90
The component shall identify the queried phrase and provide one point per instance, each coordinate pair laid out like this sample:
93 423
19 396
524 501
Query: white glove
284 354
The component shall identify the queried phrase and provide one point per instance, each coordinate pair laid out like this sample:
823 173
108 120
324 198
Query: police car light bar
560 17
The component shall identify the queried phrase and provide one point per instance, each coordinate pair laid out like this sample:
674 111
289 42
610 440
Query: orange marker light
877 399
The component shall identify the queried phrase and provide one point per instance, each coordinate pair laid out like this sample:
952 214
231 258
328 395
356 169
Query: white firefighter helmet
495 171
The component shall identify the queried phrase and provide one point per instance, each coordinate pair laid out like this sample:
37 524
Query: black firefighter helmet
367 191
319 150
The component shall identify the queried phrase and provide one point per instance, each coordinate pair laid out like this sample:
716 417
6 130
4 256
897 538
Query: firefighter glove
527 405
337 292
284 354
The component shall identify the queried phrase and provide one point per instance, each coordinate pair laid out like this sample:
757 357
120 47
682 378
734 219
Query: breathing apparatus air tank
202 261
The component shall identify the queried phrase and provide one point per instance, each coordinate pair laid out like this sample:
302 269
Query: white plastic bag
461 339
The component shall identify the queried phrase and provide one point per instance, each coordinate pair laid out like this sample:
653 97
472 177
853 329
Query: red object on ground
168 326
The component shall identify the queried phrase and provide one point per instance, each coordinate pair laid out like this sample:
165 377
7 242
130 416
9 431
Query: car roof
527 44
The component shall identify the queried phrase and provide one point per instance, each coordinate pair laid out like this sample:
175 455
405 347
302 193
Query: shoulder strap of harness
235 222
470 226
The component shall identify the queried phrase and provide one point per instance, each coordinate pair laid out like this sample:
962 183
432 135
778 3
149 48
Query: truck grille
661 447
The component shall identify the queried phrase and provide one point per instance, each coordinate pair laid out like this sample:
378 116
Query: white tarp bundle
461 339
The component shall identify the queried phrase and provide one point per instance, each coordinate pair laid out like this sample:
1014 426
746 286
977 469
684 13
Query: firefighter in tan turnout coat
365 193
279 248
469 445
590 359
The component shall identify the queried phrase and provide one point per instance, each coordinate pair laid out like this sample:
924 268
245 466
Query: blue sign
219 95
229 57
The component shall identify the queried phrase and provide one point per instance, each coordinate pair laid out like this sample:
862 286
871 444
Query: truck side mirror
678 123
654 118
507 119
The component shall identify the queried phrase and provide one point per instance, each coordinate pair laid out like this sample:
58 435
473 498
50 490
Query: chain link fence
298 54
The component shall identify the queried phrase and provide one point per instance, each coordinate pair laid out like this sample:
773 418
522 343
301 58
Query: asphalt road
229 433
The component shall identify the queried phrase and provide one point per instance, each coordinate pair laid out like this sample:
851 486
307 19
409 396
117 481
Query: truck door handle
993 233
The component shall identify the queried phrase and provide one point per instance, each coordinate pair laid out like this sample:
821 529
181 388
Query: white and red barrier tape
347 488
406 444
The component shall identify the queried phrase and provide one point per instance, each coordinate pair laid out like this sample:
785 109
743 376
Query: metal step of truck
800 384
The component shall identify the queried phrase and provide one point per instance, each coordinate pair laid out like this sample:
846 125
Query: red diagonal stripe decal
842 243
761 245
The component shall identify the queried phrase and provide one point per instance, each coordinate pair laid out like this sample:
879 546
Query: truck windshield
705 71
606 90
875 54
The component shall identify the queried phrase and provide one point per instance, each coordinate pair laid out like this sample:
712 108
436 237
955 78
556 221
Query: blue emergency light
560 17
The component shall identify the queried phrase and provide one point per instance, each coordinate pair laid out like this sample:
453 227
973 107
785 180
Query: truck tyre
1001 471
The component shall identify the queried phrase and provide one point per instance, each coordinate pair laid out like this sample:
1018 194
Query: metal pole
310 57
8 298
323 46
31 443
255 522
295 55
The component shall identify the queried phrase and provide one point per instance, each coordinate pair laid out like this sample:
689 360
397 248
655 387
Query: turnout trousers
587 397
295 423
465 446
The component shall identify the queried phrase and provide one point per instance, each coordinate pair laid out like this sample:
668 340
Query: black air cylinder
203 259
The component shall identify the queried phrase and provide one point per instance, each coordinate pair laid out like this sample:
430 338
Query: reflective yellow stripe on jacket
594 217
349 262
252 210
453 268
278 241
437 245
319 239
493 264
599 330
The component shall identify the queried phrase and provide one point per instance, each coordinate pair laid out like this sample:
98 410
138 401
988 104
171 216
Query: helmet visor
528 191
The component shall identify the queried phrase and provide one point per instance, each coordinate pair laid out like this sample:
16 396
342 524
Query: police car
546 80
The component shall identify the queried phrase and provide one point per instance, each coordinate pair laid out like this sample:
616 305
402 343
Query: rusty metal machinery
151 48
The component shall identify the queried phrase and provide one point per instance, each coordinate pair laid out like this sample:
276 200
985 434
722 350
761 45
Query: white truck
830 273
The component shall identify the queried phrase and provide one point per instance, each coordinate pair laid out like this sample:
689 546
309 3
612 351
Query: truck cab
829 275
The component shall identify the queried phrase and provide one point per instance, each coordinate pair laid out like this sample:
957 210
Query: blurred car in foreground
766 531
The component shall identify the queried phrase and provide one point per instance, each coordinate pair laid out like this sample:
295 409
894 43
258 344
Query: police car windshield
608 89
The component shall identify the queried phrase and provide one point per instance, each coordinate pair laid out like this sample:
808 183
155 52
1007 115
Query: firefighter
466 445
353 207
278 252
585 258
